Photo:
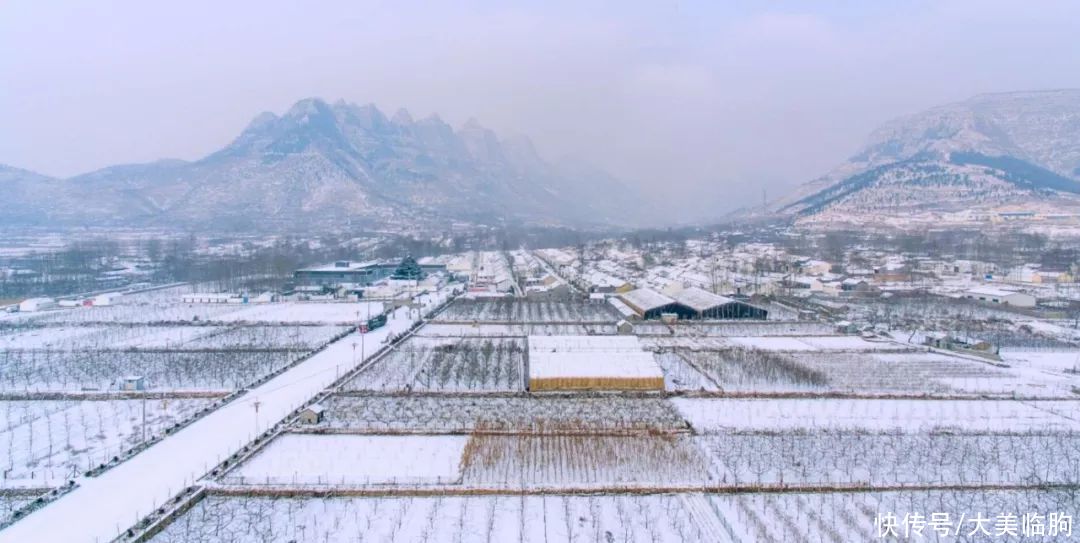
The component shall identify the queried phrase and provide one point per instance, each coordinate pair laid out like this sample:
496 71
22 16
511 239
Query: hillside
990 152
322 163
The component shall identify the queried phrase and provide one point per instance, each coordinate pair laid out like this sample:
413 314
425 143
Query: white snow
717 415
104 506
552 357
354 459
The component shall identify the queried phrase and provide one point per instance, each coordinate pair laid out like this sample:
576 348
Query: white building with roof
36 304
1001 296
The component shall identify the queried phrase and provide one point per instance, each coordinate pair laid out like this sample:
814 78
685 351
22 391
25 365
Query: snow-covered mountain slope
327 163
990 151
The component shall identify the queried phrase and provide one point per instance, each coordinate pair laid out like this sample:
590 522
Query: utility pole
256 406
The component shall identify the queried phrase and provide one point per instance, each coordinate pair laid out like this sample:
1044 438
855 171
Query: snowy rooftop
645 299
622 308
699 299
991 291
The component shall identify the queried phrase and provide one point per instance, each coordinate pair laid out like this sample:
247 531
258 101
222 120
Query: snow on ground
447 364
520 414
48 442
103 506
497 330
49 338
583 461
532 519
325 312
720 415
596 519
1054 361
354 459
881 459
815 343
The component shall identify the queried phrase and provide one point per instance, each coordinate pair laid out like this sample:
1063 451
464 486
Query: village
596 392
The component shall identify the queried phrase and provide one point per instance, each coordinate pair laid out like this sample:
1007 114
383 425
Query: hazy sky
701 102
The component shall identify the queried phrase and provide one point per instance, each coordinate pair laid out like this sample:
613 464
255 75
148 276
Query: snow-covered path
103 506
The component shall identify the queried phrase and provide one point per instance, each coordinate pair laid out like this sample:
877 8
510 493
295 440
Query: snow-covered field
516 330
514 310
705 329
306 459
814 343
445 413
680 376
229 359
883 459
523 414
869 372
136 335
341 313
1062 361
47 442
1003 416
102 506
448 519
447 365
172 310
162 371
582 461
796 517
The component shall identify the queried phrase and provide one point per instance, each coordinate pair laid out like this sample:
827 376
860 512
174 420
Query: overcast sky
694 101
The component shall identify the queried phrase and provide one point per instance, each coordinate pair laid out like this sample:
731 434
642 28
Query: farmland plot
515 330
528 519
520 414
562 461
91 337
307 459
447 365
339 313
846 517
823 458
163 337
46 442
756 370
815 343
137 313
46 370
776 415
277 337
680 375
701 329
514 310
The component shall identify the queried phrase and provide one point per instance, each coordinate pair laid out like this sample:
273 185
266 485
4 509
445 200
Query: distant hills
324 164
993 151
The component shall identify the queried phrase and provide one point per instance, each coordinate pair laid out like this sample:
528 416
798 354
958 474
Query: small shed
108 298
312 414
624 327
133 383
36 304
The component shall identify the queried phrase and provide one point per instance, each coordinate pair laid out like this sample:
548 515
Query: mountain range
991 152
323 164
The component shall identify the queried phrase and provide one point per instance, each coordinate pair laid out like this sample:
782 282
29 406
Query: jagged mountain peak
402 117
324 163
